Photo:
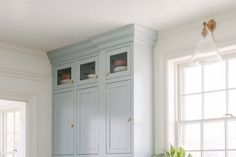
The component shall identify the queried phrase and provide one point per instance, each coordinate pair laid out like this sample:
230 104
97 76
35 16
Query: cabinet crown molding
129 33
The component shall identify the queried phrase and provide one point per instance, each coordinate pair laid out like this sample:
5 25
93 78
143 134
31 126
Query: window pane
232 102
194 154
10 122
191 107
214 154
214 135
192 79
232 74
10 131
232 134
190 136
231 153
10 142
214 76
87 70
215 105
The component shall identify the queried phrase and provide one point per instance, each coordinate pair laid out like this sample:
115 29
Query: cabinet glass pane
118 62
191 79
215 105
64 76
232 102
232 74
191 136
214 76
191 108
232 134
214 135
87 71
214 154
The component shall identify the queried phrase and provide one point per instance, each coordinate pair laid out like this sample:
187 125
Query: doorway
12 128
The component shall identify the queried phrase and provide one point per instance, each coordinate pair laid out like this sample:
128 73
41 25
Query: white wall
25 74
177 42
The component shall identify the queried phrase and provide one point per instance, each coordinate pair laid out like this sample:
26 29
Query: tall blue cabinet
103 95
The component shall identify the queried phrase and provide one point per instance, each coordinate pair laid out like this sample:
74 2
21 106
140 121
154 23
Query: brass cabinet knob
71 125
95 77
107 73
130 119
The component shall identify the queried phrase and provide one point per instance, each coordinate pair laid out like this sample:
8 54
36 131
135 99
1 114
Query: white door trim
31 117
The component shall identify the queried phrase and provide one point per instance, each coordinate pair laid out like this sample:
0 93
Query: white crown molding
129 33
13 73
25 50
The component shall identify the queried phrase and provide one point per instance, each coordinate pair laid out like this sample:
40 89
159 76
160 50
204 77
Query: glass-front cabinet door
64 76
88 70
118 62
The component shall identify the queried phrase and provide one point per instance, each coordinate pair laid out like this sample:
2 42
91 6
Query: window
12 128
206 109
12 131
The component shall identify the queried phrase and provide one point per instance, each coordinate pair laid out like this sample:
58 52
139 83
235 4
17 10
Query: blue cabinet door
87 122
63 123
119 118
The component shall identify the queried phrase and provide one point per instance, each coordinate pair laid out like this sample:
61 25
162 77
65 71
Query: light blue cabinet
103 95
63 123
119 117
87 121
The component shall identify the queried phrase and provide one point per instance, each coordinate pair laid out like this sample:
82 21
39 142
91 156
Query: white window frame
172 128
5 112
1 132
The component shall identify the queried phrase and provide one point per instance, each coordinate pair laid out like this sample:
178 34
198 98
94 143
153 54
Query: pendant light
206 50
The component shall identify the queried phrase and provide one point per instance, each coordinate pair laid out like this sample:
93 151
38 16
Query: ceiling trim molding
129 33
24 50
15 73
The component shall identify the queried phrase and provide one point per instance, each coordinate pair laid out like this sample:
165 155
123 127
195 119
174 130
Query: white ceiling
51 24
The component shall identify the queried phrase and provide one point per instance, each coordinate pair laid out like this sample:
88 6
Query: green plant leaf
182 152
167 154
172 151
189 155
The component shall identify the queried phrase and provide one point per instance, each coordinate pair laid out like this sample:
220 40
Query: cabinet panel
118 62
63 123
87 119
119 118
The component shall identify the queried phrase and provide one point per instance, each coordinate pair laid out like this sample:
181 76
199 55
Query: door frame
30 118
